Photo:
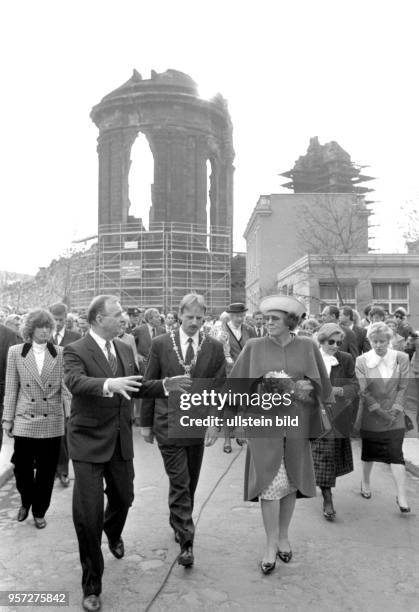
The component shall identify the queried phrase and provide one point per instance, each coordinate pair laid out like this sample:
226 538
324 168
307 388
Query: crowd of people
72 385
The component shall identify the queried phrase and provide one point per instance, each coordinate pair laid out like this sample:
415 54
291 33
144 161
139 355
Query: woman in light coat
383 376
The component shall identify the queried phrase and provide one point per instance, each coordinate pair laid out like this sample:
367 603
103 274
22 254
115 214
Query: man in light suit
172 354
62 337
100 373
144 334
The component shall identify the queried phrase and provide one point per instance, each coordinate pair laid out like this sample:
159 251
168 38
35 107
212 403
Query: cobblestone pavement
366 561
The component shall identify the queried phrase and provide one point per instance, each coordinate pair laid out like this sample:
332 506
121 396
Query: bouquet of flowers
278 382
281 382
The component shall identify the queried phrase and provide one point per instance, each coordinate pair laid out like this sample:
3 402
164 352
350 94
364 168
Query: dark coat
349 342
362 341
95 420
143 338
263 330
343 375
69 337
163 362
7 339
236 346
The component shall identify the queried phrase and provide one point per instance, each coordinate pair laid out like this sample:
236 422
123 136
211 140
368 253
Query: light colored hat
285 303
327 330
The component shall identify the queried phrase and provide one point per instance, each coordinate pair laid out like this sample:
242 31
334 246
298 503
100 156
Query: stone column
114 150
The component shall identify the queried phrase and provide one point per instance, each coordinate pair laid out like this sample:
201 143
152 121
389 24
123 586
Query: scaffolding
83 279
158 266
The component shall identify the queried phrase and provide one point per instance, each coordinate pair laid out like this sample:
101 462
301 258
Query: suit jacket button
27 384
32 400
32 415
45 399
45 415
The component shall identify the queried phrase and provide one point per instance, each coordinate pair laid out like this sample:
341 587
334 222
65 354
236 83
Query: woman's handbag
408 423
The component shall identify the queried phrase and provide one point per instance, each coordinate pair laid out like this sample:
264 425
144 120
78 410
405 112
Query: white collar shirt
59 335
237 331
384 364
102 343
39 354
184 342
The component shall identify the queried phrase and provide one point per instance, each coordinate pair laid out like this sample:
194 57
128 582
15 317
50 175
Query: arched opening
140 179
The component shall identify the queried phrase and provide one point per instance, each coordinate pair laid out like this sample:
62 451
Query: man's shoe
117 548
91 603
64 479
22 514
40 523
186 557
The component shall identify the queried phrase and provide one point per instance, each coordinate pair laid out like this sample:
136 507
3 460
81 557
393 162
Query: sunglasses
332 342
398 316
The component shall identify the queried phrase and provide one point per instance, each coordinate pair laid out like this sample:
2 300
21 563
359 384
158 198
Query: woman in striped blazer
35 402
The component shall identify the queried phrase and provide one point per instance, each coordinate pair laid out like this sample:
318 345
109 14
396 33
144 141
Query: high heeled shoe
285 556
267 567
365 494
329 515
402 508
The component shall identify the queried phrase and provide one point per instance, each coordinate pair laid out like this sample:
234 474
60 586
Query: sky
344 71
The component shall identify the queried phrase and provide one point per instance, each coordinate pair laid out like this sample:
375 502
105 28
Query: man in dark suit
260 328
8 338
330 314
144 334
100 373
346 320
172 354
62 337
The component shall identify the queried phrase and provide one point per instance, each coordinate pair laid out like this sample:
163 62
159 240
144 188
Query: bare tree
333 226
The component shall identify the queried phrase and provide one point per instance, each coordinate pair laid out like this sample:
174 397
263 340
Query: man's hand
7 428
211 436
147 434
124 385
181 383
338 391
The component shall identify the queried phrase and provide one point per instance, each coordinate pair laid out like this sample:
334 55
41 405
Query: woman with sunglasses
383 375
332 455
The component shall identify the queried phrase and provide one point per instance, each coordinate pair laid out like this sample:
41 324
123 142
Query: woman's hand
7 428
395 410
302 389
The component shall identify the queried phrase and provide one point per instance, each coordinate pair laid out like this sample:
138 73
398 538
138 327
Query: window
329 295
390 296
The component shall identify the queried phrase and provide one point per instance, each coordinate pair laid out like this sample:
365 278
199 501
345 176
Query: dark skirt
332 458
383 446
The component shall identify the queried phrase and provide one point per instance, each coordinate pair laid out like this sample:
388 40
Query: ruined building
326 169
189 241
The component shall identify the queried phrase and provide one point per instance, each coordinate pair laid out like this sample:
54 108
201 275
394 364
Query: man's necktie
111 358
189 352
258 332
153 332
57 338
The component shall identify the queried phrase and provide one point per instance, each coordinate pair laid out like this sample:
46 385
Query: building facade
275 238
387 280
